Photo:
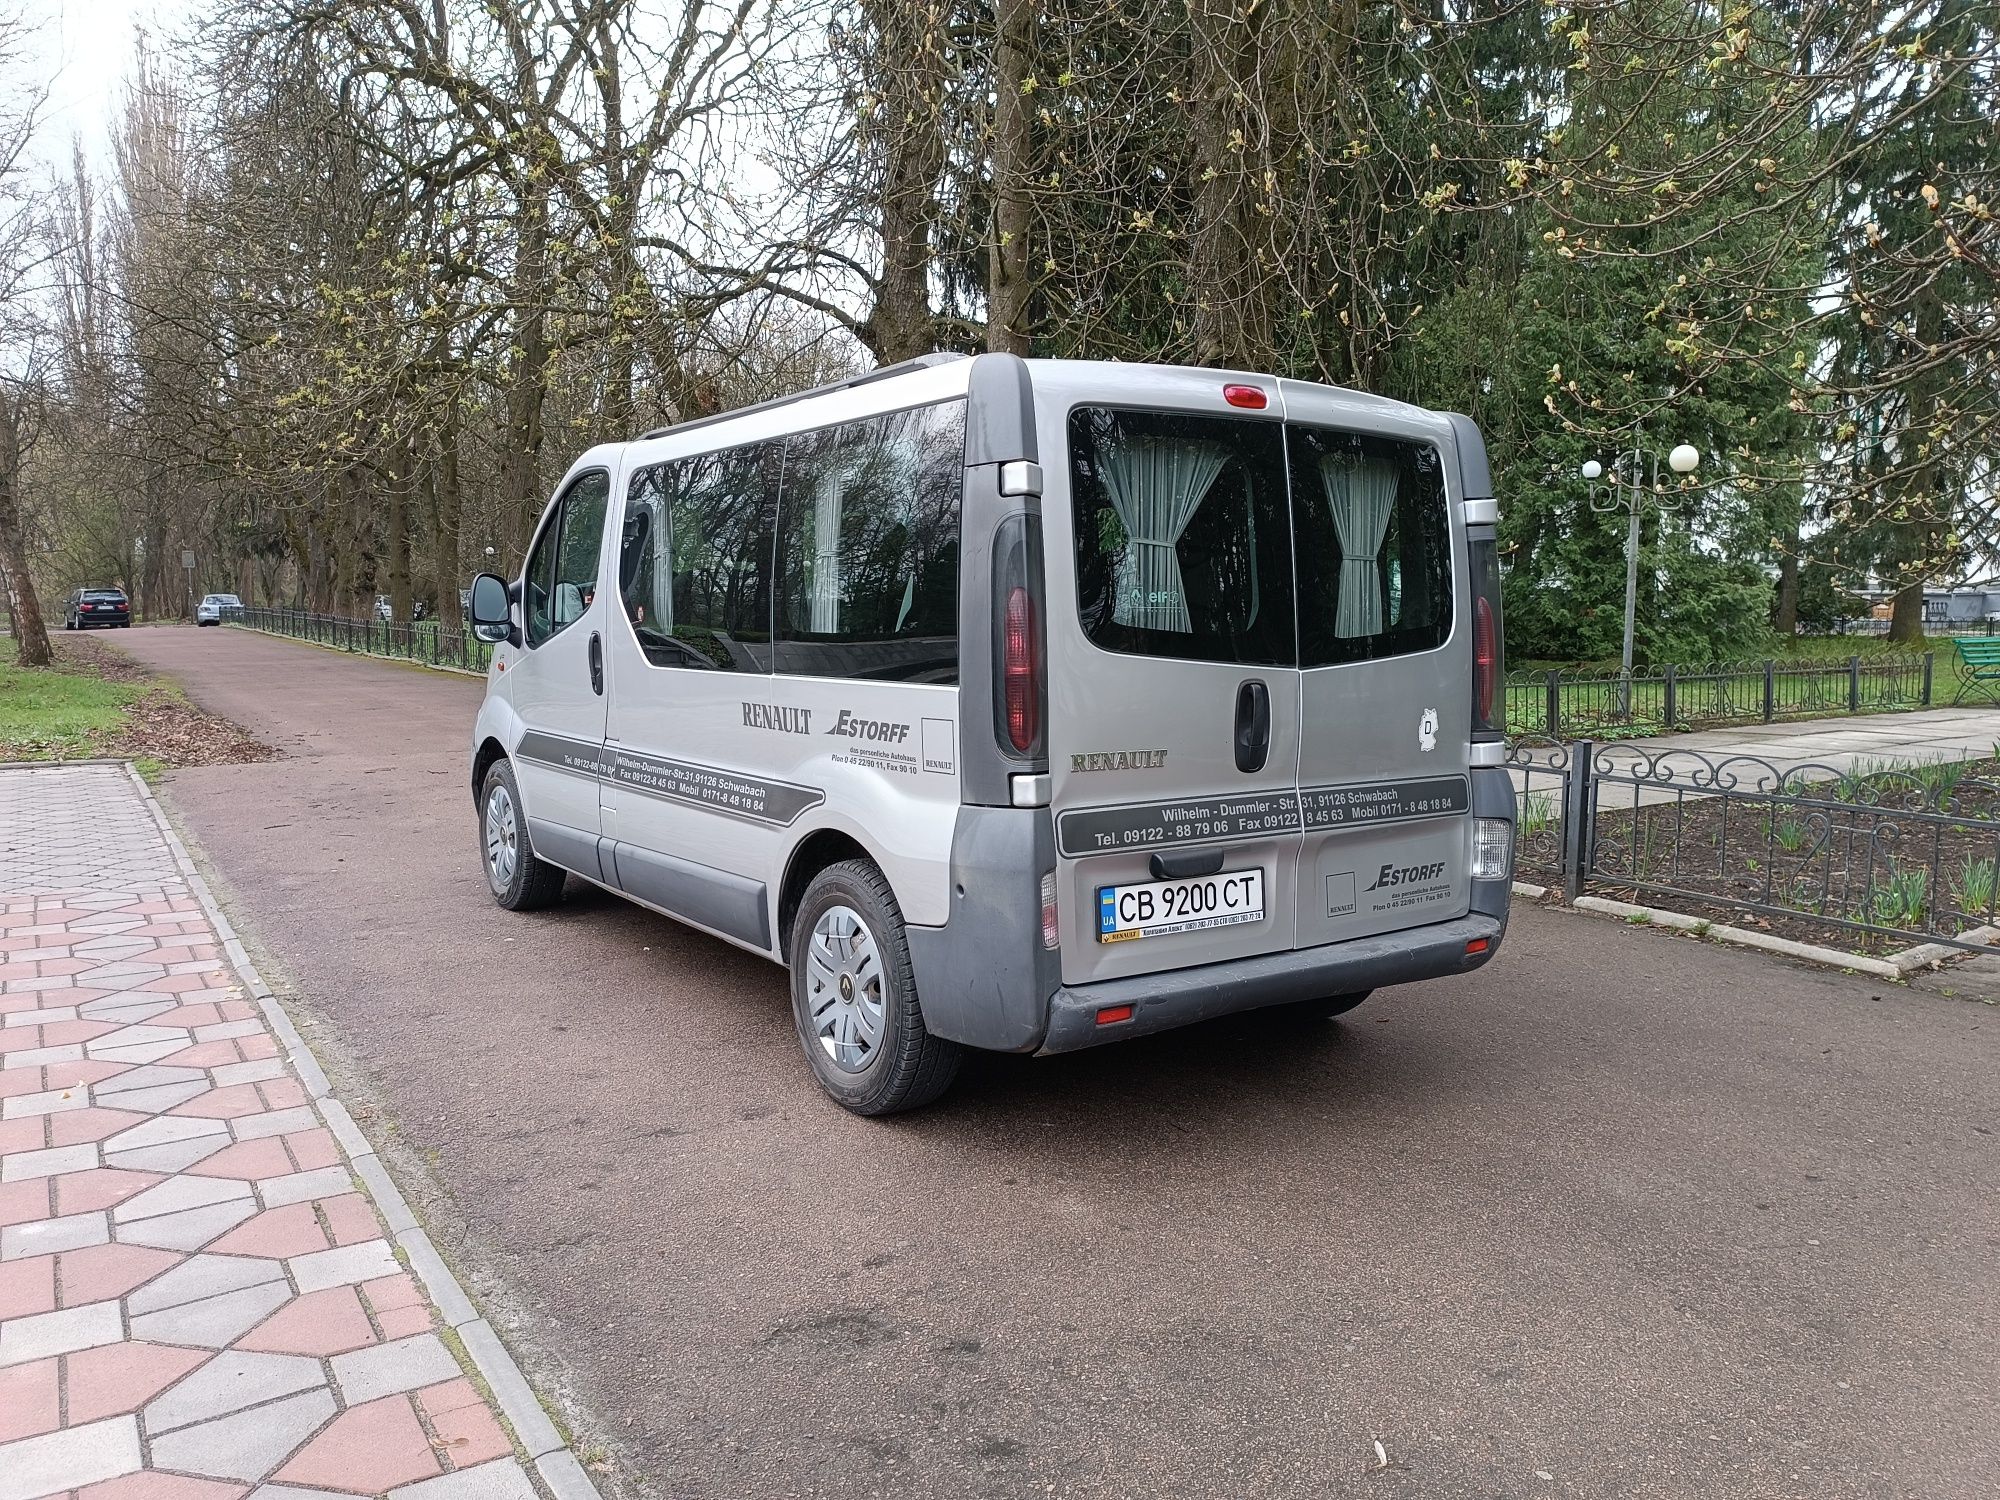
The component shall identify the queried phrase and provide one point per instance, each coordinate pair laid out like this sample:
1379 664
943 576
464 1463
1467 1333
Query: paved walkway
1927 734
196 1301
1817 748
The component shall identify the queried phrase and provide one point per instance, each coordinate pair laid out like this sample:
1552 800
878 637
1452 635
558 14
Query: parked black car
88 607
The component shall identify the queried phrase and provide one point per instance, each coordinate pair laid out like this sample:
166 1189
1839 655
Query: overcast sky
86 48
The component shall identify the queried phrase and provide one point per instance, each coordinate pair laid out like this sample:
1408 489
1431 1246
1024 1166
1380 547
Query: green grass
1901 900
1975 885
50 714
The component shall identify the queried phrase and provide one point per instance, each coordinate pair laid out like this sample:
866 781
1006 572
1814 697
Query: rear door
1386 668
1173 686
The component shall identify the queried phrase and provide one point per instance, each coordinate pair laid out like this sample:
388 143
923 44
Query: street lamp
1614 495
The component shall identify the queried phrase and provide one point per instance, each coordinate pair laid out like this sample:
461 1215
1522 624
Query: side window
694 559
1374 546
561 577
868 548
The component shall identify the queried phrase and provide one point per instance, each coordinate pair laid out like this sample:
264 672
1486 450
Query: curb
537 1436
408 661
1741 937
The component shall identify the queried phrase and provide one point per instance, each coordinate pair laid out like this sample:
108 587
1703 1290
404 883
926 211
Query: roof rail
901 367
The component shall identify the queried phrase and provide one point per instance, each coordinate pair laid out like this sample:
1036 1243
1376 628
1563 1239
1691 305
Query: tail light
1020 671
1021 690
1485 657
1488 659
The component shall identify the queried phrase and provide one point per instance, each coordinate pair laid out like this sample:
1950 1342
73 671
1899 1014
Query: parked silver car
215 608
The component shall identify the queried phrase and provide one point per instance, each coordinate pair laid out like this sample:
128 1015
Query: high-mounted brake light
1251 397
1021 670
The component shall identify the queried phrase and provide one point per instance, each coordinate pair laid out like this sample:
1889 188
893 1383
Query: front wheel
519 881
854 996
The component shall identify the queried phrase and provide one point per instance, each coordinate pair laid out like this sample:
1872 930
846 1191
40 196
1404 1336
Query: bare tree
22 257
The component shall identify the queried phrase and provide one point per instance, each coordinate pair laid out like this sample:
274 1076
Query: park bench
1978 667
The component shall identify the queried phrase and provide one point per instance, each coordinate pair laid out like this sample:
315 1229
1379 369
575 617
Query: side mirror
492 613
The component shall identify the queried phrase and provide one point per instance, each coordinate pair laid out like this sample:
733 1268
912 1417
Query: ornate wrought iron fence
1558 704
1906 851
1540 771
404 640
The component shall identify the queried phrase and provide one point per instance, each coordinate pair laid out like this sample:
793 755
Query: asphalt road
1622 1214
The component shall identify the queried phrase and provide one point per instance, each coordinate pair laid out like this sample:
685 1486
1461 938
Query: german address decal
1383 801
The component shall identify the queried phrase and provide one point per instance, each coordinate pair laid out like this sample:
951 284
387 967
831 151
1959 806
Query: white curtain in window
825 596
1361 494
1156 486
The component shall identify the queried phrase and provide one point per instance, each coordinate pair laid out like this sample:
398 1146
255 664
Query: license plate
1160 907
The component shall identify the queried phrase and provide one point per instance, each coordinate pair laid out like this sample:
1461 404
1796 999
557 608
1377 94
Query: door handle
597 663
1253 725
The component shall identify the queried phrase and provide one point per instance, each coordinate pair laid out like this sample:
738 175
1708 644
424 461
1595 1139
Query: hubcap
844 988
501 838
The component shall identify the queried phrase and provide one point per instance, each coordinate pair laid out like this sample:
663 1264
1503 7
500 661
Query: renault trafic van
1018 704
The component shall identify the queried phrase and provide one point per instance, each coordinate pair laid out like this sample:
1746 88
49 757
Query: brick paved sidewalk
197 1301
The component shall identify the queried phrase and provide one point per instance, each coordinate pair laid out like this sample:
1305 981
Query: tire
518 880
848 944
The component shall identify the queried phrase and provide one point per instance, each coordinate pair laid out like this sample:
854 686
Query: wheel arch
490 750
813 853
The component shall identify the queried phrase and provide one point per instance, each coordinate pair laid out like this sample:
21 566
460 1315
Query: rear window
1373 546
1233 540
1183 545
113 595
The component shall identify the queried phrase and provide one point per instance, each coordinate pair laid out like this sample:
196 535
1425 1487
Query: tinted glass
868 548
561 577
1374 546
1183 544
694 559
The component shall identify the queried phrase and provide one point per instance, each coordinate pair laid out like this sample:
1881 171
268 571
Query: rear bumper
1180 997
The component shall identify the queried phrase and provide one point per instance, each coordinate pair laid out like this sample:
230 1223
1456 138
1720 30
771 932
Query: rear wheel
519 881
854 996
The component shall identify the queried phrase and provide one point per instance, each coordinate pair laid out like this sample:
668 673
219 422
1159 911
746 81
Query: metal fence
1562 705
1872 626
1895 851
425 641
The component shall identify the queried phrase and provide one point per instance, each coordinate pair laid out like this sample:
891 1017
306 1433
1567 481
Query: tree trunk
1906 615
1924 517
31 634
527 380
1785 619
397 545
443 479
910 145
1007 252
1228 277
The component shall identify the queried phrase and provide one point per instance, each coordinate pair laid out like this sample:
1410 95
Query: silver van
1017 704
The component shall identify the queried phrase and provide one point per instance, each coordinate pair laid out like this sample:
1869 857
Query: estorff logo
880 730
1395 875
